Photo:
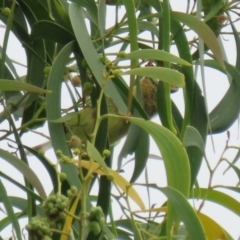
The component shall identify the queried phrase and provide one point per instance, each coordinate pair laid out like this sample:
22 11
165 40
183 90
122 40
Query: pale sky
217 85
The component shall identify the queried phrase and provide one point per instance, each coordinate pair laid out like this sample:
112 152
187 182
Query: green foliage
68 45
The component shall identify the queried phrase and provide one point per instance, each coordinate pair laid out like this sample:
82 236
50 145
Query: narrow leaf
193 138
93 152
185 212
212 229
203 31
10 85
164 74
118 180
10 212
91 55
173 154
156 55
218 197
25 170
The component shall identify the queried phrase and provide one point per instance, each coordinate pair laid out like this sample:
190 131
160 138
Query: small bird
83 124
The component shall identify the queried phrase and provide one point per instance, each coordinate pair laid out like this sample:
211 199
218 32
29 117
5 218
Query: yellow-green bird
83 125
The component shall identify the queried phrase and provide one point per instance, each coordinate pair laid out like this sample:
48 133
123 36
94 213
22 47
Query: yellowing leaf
212 229
120 181
68 222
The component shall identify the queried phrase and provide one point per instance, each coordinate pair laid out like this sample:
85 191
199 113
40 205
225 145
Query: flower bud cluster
87 88
47 71
6 11
39 229
96 220
72 192
55 207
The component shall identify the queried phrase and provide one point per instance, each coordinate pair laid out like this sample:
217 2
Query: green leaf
235 189
9 85
203 31
198 121
193 138
10 65
60 15
91 7
49 167
164 74
25 170
237 42
185 212
156 55
10 212
173 154
53 110
6 38
214 10
235 168
22 187
22 204
141 155
91 55
148 26
102 16
51 31
183 48
132 24
93 152
227 110
217 197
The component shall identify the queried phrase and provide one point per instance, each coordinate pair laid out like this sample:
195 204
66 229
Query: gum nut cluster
96 220
38 229
55 206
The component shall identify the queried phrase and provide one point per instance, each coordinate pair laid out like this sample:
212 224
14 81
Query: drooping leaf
193 138
25 170
218 197
185 212
10 212
203 31
8 85
164 74
155 55
53 109
51 31
93 152
173 154
91 55
141 155
117 179
227 110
